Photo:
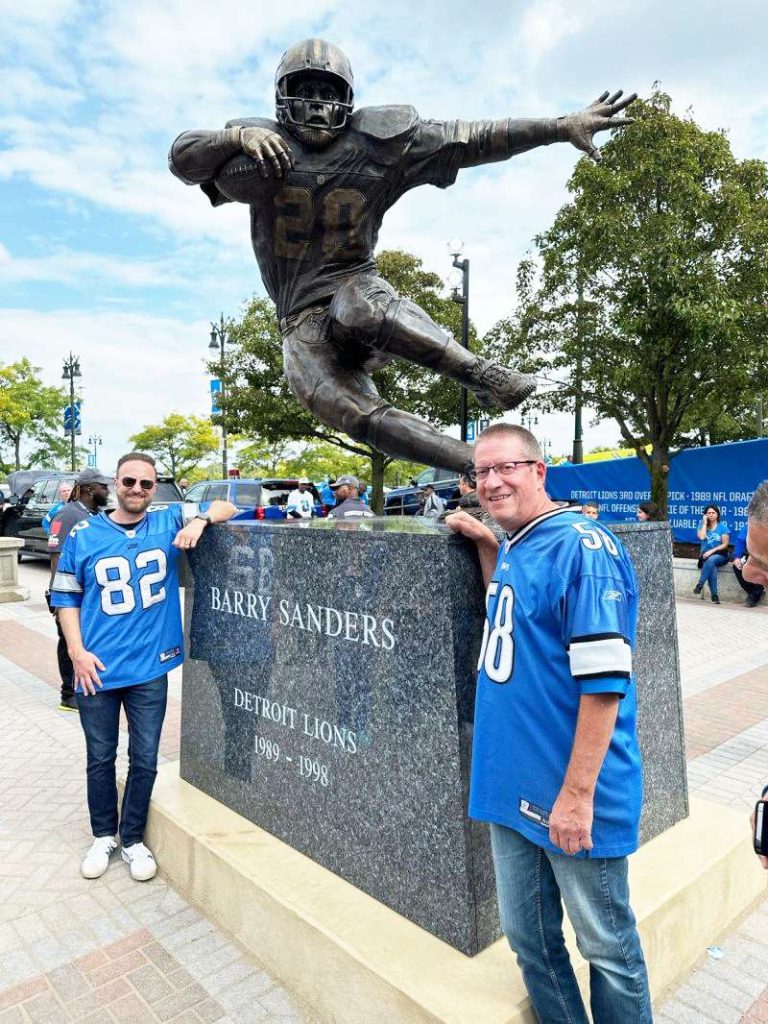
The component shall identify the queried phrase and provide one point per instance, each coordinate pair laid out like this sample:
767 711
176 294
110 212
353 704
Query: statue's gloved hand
268 149
579 128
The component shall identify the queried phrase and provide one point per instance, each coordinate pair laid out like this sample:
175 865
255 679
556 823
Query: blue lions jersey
561 617
125 582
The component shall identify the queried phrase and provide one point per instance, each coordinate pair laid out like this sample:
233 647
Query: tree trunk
660 477
17 451
378 462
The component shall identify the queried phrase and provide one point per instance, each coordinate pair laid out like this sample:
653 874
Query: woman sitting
713 534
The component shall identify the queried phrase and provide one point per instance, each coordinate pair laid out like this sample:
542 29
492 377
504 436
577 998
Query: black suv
25 520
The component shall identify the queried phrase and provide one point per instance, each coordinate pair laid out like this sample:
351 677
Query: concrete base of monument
351 960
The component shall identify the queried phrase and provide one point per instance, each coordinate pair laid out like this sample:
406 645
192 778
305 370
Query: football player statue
319 179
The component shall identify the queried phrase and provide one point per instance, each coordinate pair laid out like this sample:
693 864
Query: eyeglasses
131 481
502 468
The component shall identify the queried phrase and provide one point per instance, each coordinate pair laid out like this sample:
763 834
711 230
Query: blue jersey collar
522 531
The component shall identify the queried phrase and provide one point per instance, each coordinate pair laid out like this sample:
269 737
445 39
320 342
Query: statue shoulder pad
390 122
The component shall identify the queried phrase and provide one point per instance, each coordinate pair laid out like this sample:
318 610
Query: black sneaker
698 588
715 599
753 600
68 704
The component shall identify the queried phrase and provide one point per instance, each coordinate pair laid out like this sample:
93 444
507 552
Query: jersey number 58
497 654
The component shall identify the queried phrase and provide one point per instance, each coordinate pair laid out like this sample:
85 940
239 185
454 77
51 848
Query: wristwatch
205 517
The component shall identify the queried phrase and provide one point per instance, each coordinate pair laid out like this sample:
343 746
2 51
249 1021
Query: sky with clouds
105 254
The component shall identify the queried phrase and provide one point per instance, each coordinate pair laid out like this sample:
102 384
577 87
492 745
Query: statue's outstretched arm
489 141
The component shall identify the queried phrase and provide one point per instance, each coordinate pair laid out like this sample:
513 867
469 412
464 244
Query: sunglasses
131 481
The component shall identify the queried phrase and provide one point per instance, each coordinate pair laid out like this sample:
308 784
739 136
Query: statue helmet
314 56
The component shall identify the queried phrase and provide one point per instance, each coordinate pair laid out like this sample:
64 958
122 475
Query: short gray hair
529 444
758 507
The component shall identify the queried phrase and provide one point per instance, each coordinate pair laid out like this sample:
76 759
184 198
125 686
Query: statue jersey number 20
318 180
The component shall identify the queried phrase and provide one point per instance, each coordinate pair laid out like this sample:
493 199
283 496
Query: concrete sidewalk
118 951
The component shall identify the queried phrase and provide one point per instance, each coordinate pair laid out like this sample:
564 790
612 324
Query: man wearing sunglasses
117 591
555 763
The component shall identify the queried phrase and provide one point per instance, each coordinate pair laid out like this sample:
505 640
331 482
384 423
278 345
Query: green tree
179 442
651 300
31 413
258 401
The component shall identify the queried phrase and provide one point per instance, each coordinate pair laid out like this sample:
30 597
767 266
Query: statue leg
346 399
368 309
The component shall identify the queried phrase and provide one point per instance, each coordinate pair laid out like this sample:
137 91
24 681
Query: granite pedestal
328 697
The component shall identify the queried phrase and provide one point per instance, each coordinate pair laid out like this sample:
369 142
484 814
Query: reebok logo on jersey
172 652
613 595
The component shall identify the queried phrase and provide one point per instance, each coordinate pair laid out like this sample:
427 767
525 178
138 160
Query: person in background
90 493
590 509
326 493
63 493
349 505
183 485
754 591
362 492
301 502
431 505
713 534
648 512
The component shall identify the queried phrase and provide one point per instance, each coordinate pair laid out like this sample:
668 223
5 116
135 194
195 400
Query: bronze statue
319 179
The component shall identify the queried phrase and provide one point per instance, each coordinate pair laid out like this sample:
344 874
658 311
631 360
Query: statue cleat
496 387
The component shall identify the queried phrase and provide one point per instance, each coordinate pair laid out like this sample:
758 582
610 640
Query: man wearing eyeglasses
117 591
556 765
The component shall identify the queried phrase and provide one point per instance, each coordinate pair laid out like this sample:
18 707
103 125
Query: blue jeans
532 884
144 706
709 571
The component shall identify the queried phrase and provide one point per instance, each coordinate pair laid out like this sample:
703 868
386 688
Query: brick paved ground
117 951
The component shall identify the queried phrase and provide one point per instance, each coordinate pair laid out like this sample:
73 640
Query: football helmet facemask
316 59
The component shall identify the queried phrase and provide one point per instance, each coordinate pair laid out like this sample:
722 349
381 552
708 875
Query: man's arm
485 542
191 532
86 665
570 823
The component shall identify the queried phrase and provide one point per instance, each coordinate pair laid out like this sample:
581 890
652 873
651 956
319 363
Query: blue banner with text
723 474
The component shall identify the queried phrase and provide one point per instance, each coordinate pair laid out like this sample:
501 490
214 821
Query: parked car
404 501
255 497
26 523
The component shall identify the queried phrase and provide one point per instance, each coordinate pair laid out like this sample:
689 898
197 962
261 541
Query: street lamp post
71 370
95 440
456 247
218 341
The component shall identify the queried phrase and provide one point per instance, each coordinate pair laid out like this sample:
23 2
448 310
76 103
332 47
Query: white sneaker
96 861
143 864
